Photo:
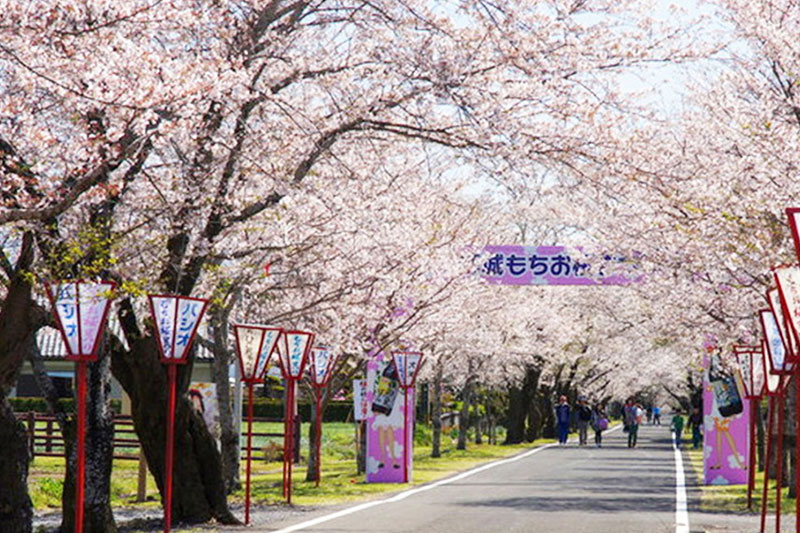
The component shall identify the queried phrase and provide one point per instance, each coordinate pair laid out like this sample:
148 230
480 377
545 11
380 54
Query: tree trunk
436 415
515 433
20 317
229 427
16 510
98 514
478 429
198 489
311 471
533 414
463 419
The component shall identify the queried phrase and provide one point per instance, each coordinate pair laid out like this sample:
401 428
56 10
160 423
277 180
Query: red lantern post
321 369
793 213
292 356
749 359
773 387
407 365
81 310
254 344
176 319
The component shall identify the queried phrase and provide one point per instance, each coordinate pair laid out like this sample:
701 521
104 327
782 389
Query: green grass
340 483
733 498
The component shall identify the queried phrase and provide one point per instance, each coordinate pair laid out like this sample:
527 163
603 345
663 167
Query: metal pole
285 434
405 434
319 434
797 436
172 373
768 458
249 452
779 472
291 443
751 476
80 475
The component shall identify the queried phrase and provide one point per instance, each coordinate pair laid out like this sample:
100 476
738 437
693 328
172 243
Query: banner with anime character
385 422
725 431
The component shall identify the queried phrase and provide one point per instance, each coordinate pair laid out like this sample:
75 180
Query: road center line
681 507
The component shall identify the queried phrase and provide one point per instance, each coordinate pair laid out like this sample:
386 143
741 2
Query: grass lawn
733 498
340 483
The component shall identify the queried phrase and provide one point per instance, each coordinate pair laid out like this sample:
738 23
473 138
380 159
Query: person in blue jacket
562 419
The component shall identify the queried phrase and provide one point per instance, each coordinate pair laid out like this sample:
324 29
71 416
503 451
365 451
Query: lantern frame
746 356
791 338
182 360
312 366
405 380
769 337
284 352
249 375
53 289
773 383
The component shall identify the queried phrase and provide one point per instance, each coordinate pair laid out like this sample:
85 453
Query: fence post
31 433
49 443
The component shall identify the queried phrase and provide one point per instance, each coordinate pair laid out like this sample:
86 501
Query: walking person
584 417
656 416
562 419
599 424
631 419
677 427
696 422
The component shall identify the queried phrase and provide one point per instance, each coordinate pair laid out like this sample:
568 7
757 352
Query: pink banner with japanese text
725 426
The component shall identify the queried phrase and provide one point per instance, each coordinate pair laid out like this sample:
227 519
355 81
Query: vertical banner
385 422
725 426
360 406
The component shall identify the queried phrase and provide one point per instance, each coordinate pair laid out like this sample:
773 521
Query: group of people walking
585 416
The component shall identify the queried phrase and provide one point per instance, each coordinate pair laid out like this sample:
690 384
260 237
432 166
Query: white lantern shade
407 365
293 352
787 279
321 365
749 359
773 338
772 382
81 310
176 319
255 344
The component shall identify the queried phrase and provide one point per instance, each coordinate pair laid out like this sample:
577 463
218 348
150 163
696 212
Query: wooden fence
45 439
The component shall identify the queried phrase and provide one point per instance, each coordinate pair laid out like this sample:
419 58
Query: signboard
557 265
293 352
725 427
176 319
788 281
322 362
81 309
360 406
385 432
255 344
773 338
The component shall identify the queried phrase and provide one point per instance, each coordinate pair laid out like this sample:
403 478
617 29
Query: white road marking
681 507
405 494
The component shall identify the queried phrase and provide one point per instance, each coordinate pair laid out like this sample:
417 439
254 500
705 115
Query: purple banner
725 430
557 265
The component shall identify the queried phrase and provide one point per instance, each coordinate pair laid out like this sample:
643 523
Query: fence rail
45 439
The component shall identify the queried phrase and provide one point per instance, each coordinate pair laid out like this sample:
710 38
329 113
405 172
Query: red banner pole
779 472
319 434
285 437
770 418
797 454
170 445
291 443
751 475
405 434
249 452
80 475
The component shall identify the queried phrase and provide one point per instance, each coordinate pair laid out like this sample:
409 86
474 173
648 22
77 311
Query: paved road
558 489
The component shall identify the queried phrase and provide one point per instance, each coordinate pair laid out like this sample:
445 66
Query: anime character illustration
388 417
